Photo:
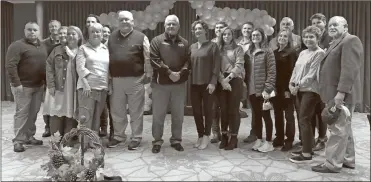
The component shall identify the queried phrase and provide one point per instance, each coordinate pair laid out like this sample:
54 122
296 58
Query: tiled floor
212 164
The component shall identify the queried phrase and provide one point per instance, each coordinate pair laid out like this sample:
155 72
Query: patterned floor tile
211 164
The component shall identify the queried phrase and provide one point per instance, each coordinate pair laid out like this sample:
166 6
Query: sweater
25 63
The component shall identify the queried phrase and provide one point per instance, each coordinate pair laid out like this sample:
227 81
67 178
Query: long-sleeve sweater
285 63
232 62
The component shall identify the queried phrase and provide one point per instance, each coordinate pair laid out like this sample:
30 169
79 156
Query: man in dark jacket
25 65
50 43
170 56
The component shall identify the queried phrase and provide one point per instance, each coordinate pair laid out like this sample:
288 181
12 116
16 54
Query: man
319 20
50 43
130 67
215 127
25 64
340 81
287 24
170 58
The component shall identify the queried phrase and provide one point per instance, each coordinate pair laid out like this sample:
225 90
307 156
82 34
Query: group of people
100 73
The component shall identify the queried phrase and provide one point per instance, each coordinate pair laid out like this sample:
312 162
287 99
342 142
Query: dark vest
126 54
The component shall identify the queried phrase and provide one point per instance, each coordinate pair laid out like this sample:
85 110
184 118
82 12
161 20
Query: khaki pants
340 144
127 91
28 105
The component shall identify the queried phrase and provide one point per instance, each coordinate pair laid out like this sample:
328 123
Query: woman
92 68
61 97
230 87
205 60
261 79
91 19
106 33
304 84
283 102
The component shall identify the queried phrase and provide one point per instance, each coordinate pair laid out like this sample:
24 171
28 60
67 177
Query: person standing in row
261 74
215 127
340 82
61 78
129 68
51 42
170 58
205 63
283 102
25 65
229 90
92 61
304 84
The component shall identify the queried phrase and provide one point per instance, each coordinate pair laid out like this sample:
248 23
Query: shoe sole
300 162
132 148
112 146
265 151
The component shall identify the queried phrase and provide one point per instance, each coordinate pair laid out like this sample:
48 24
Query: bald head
126 21
337 26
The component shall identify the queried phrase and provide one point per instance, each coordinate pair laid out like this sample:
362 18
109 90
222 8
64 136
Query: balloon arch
156 12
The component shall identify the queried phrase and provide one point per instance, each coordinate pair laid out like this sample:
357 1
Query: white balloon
148 18
256 12
234 25
234 14
206 14
200 11
208 4
103 18
152 26
156 8
263 12
270 31
199 4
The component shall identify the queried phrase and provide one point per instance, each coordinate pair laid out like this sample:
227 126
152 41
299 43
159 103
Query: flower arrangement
71 164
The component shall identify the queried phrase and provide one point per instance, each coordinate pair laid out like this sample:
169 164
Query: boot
232 143
224 141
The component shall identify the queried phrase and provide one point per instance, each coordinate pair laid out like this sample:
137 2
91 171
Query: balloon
221 15
199 11
157 17
206 14
233 25
149 9
152 26
103 18
164 12
208 4
140 15
240 20
165 4
198 4
171 5
142 26
263 12
249 17
156 8
272 22
211 27
270 31
111 14
256 12
228 21
234 14
266 19
148 18
247 11
241 10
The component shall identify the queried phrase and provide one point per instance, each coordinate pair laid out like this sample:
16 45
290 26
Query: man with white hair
340 82
170 57
287 24
130 68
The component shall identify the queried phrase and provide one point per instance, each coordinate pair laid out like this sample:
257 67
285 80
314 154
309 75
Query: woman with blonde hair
61 78
92 68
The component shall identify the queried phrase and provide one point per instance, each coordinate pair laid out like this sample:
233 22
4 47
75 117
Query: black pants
259 114
307 101
103 118
230 106
46 121
202 105
284 108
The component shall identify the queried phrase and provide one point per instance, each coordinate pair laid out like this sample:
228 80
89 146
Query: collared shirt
93 63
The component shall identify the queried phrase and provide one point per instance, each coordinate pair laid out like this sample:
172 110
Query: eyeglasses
256 35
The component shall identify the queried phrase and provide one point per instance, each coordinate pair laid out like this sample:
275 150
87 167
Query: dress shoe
250 139
18 147
177 147
348 166
156 149
133 145
224 141
34 141
232 144
46 133
321 168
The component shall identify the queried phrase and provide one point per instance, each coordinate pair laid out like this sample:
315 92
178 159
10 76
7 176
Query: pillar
40 16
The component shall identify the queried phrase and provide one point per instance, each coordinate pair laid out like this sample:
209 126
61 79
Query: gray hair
51 21
171 17
124 12
97 26
289 20
341 19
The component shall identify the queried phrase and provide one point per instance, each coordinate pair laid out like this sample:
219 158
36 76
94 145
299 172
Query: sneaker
204 142
198 143
133 145
299 152
156 149
113 143
18 147
300 159
266 147
320 146
258 144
